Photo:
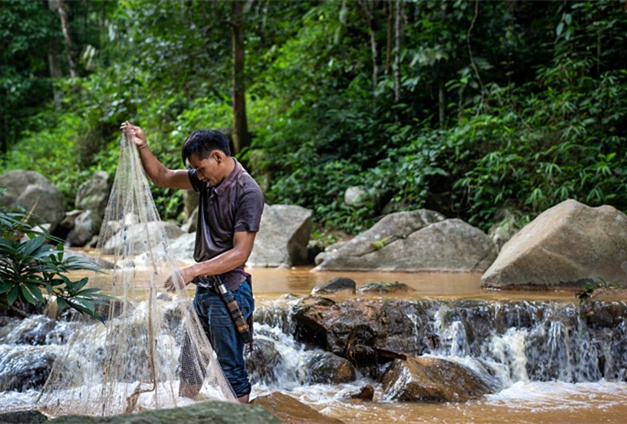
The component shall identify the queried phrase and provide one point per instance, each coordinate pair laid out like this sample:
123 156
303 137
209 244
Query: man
230 210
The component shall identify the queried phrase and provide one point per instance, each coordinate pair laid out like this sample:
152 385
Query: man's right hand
134 134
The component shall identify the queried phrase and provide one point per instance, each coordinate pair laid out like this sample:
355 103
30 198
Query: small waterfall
512 342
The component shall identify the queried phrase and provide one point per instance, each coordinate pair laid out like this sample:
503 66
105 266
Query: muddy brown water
524 402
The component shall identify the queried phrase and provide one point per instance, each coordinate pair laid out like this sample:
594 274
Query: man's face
207 169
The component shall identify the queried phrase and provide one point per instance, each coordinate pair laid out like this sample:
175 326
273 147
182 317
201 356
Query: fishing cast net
133 362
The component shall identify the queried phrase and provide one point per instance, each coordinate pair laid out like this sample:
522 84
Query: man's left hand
176 281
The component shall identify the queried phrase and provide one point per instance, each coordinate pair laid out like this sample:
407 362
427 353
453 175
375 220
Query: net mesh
134 362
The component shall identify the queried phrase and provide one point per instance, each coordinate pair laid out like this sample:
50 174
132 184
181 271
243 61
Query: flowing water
553 381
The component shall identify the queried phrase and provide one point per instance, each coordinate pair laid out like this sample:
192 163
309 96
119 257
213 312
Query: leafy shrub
30 269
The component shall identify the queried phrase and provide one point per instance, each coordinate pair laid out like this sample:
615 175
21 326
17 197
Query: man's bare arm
156 171
243 242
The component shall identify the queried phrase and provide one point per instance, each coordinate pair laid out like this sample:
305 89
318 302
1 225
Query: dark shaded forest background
476 109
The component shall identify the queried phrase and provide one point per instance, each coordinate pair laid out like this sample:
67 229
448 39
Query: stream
547 373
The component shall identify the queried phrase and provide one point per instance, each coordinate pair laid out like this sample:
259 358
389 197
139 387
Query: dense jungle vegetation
476 109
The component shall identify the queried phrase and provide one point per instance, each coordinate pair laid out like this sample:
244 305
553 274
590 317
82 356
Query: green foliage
501 105
37 266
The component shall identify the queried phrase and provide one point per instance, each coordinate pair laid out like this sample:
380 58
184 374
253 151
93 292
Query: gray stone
568 244
355 196
182 248
191 223
191 199
199 413
33 192
141 237
85 226
283 237
413 242
93 194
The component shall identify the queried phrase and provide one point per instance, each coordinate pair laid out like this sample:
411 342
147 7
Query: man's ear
217 155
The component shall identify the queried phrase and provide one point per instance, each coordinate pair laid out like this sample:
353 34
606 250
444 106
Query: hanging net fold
133 362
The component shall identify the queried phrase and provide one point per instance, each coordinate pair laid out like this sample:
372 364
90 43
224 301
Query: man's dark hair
203 142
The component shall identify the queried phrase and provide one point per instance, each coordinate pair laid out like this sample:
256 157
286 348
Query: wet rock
291 411
32 191
427 379
263 363
566 245
338 285
24 368
23 417
415 241
283 237
384 288
325 367
367 332
198 413
366 393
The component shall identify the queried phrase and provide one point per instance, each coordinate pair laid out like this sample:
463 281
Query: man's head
208 151
202 142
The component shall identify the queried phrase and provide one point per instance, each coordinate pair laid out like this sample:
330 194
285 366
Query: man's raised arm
156 171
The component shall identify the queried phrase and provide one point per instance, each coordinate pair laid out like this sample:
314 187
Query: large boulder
429 379
415 241
139 236
93 194
32 191
199 413
568 244
283 237
291 411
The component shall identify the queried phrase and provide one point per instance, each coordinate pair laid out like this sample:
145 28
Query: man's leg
227 342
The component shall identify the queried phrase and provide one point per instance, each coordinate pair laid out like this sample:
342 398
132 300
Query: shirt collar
230 179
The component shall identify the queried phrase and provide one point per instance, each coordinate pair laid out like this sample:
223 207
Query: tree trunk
59 7
397 52
241 137
390 37
367 11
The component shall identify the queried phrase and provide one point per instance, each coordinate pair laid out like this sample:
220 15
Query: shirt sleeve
194 180
250 208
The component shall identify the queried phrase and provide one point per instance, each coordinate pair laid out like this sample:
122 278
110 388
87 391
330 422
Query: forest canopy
476 109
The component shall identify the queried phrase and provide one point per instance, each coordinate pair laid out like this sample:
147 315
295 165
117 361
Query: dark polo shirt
234 205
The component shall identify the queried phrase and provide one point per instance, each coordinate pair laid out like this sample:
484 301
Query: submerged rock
366 393
427 379
569 244
291 411
338 285
383 287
